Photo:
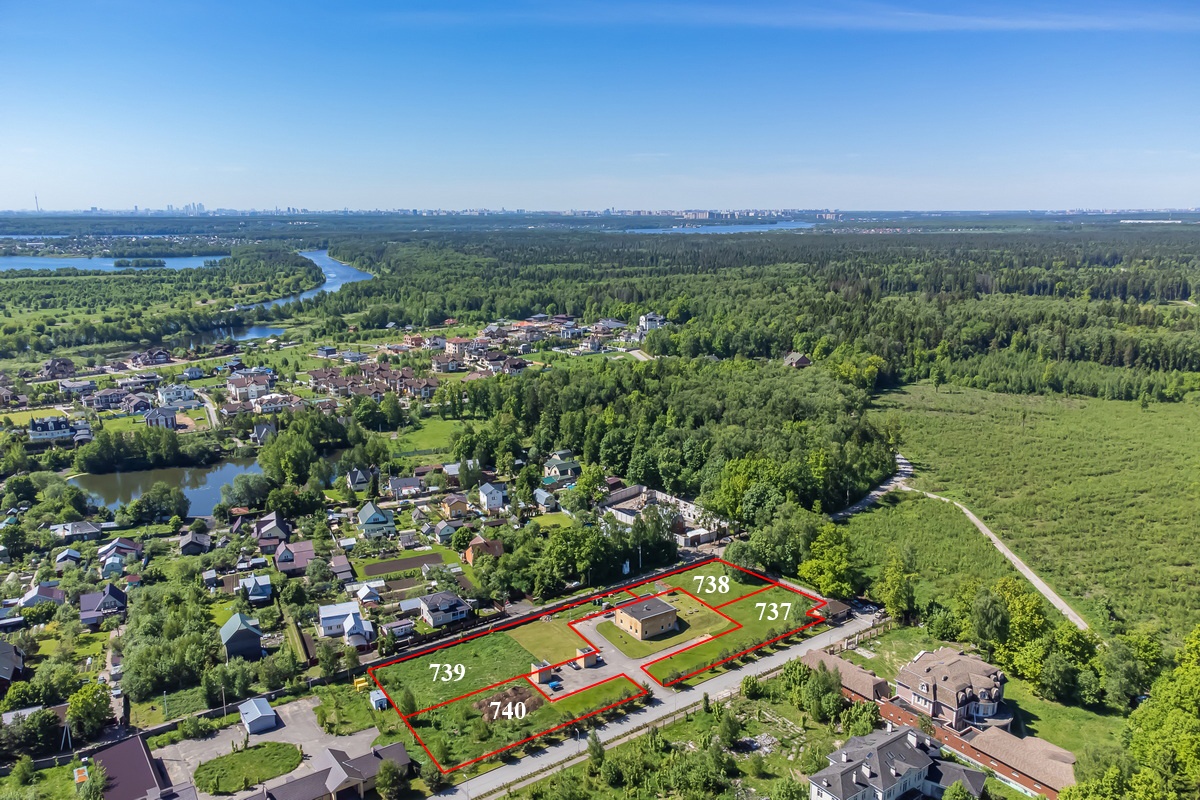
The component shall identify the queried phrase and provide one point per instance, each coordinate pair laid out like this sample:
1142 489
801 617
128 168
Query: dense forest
1104 314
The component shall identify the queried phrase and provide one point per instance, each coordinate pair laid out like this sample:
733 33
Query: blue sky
532 104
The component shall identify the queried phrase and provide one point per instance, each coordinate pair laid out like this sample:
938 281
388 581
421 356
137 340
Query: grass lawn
884 656
763 616
1066 726
488 659
434 434
694 621
55 783
709 590
556 519
1097 496
459 732
150 712
949 550
237 771
344 710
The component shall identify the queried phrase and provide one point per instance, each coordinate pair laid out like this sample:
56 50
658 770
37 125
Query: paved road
899 481
668 703
641 355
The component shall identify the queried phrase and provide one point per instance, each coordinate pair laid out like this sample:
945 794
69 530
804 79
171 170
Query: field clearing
434 434
948 549
1099 497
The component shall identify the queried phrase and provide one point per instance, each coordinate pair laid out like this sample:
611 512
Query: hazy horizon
659 105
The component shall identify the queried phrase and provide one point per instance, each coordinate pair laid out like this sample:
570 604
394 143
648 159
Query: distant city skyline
923 105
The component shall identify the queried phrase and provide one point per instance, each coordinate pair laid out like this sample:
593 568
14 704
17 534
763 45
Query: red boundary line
811 612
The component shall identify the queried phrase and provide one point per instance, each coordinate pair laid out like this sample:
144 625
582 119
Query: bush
197 728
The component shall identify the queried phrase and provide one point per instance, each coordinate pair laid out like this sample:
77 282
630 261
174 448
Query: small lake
102 264
762 227
202 485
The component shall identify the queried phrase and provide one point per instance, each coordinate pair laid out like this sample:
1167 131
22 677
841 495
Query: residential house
57 368
337 776
546 502
407 538
12 665
77 531
67 558
194 544
49 429
446 363
77 387
258 716
345 620
95 607
404 487
121 546
112 567
161 418
106 399
292 558
443 532
374 521
455 506
457 346
133 774
242 638
342 568
325 351
858 684
513 366
274 403
271 530
954 688
192 373
174 394
559 468
367 595
797 360
247 387
42 593
358 480
151 358
136 403
893 763
480 546
258 589
262 432
493 497
443 608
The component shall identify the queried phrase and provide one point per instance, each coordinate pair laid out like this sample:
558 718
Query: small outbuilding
647 617
379 700
257 715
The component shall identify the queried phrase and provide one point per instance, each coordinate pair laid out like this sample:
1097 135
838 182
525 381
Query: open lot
457 690
400 564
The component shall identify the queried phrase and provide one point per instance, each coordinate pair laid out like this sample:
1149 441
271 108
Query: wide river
202 485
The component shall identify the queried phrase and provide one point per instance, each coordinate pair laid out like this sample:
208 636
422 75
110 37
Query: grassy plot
55 783
948 549
235 772
763 616
694 620
503 716
711 582
344 710
434 434
552 639
1097 496
488 659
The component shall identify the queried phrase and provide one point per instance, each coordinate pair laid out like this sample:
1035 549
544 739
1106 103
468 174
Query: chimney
890 728
845 757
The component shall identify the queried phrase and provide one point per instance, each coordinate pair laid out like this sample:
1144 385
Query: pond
202 485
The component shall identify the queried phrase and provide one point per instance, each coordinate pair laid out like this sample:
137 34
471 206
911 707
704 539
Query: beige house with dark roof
646 618
954 688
